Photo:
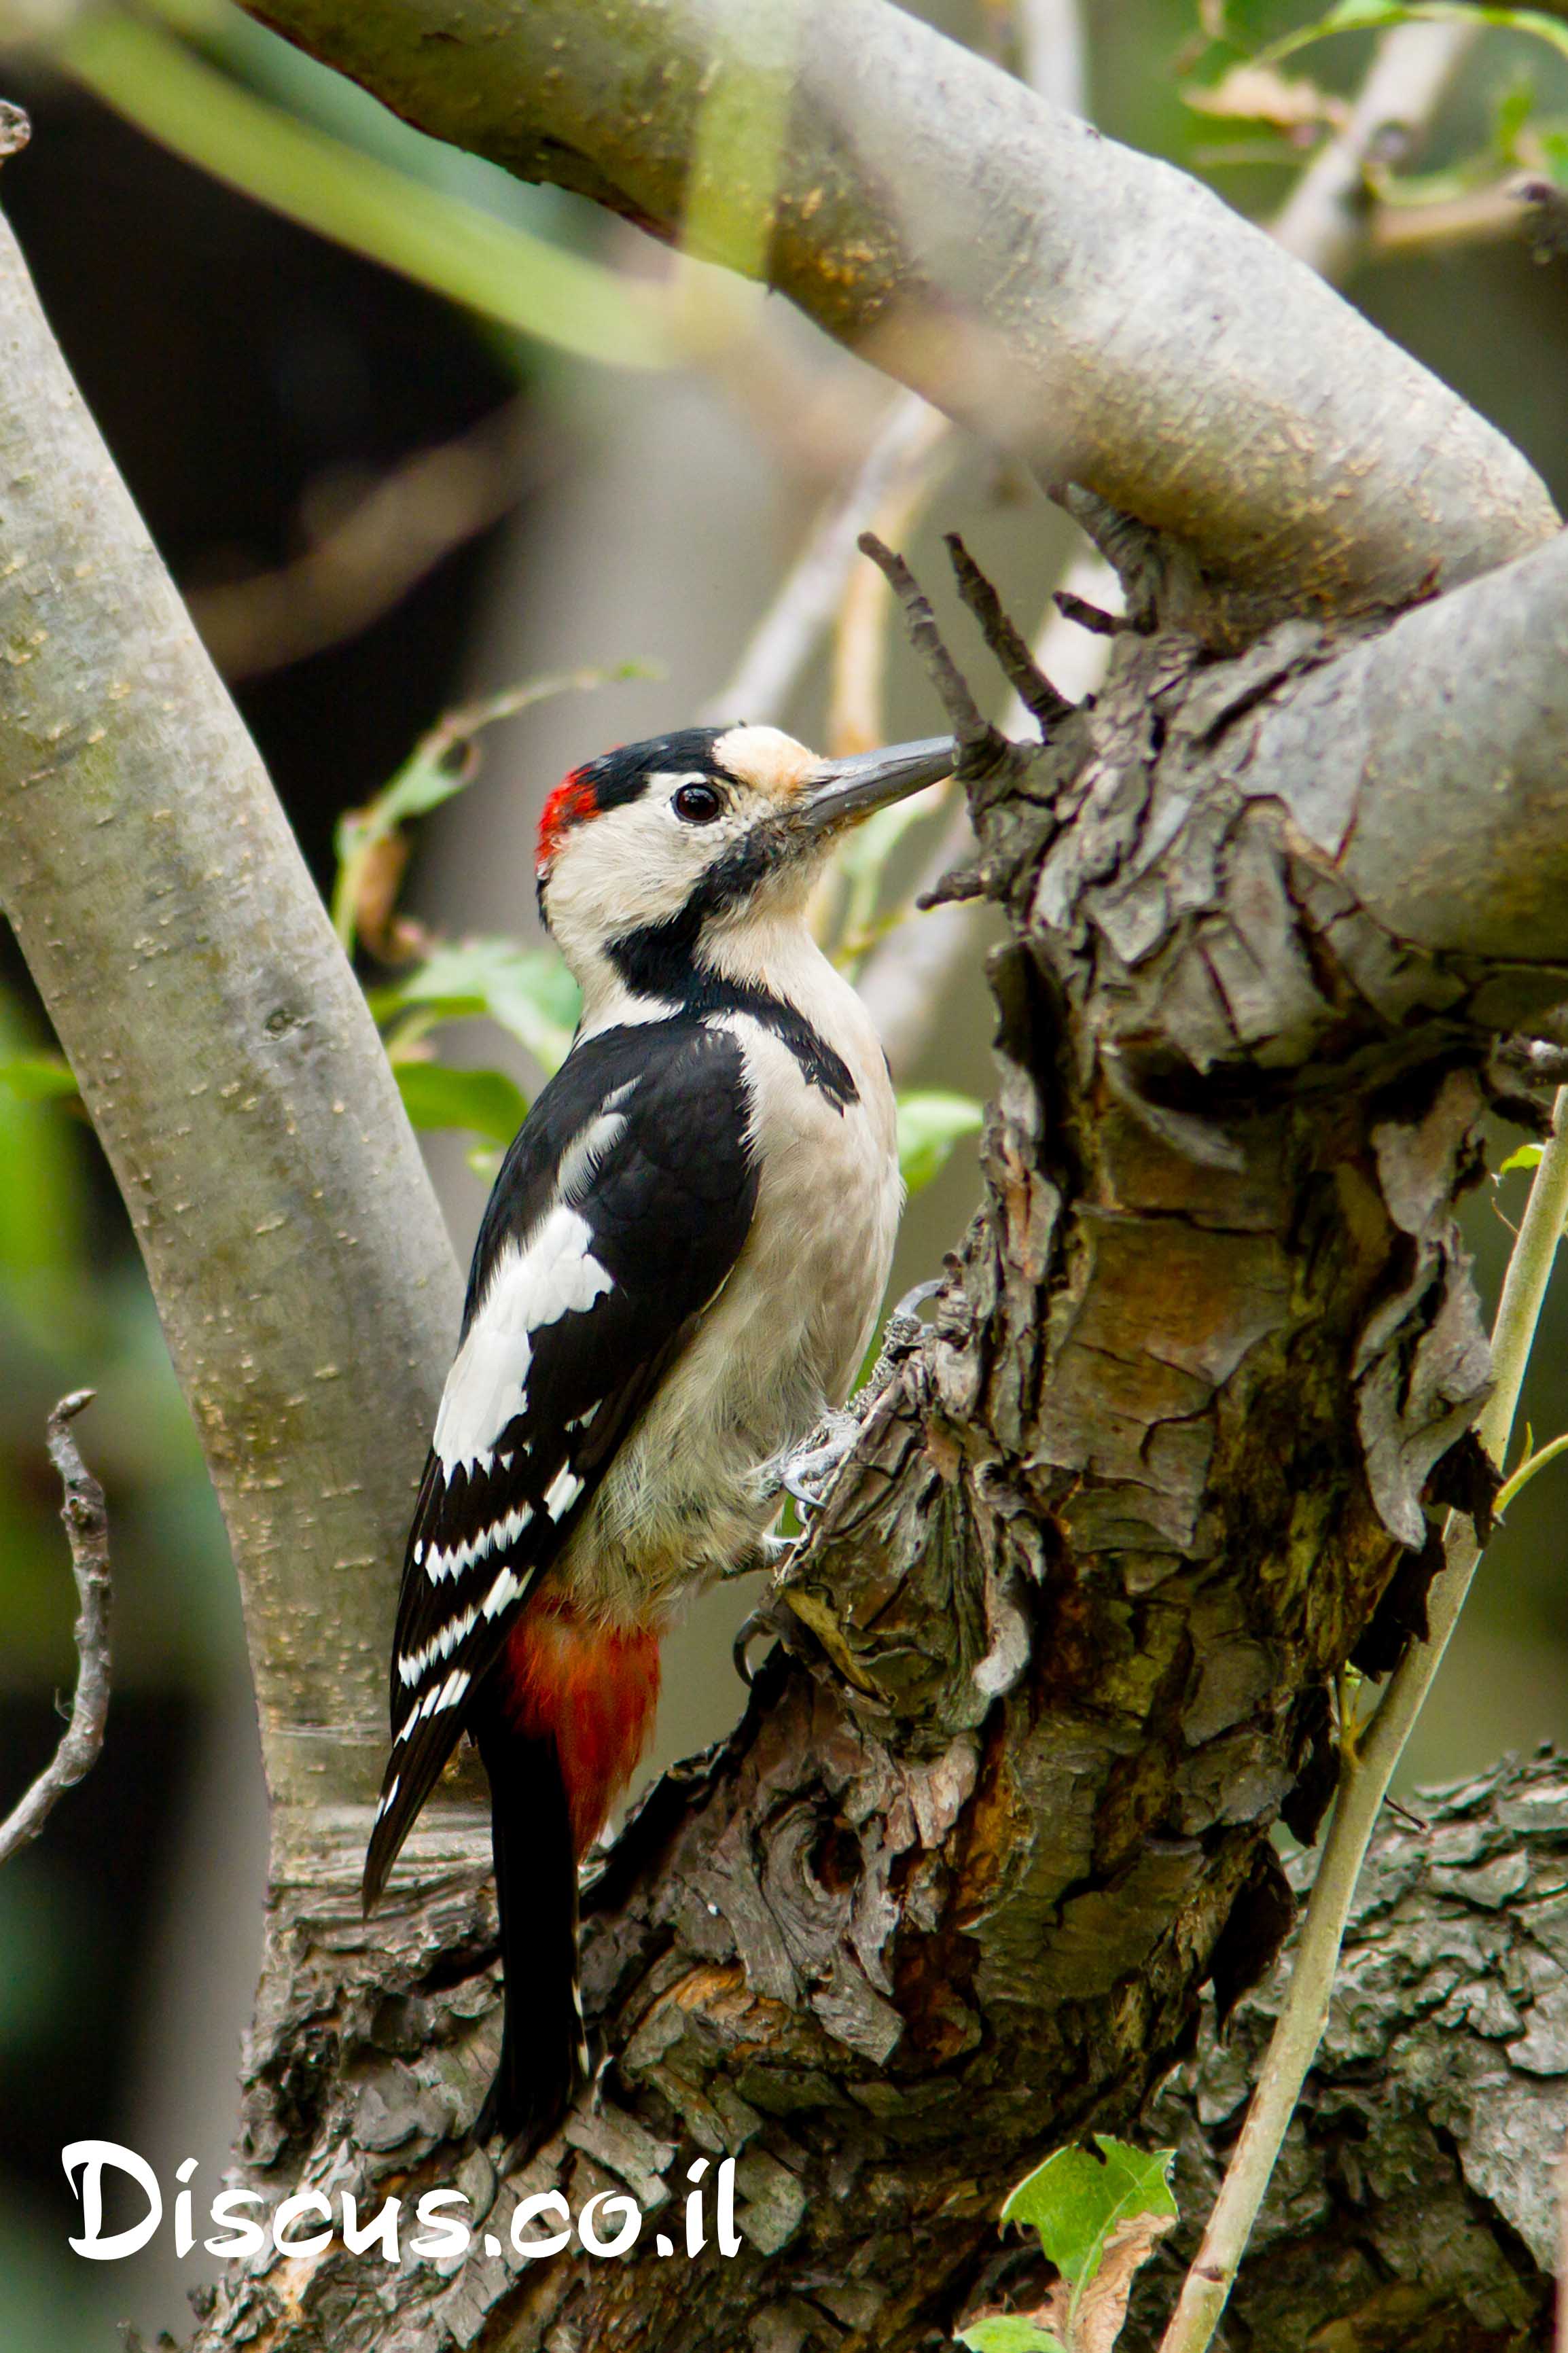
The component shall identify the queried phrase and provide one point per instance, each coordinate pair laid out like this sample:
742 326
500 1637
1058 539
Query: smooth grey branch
230 1066
1431 761
1088 307
87 1528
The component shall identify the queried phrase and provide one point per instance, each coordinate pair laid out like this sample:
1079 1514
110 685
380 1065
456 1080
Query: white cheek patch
552 1273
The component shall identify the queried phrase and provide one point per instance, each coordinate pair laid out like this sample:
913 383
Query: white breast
787 1334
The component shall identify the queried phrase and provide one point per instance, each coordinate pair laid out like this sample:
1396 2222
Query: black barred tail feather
543 2051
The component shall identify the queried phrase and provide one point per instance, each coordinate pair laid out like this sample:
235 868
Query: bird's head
654 856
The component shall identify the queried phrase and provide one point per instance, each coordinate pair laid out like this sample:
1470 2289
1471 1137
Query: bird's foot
903 1331
805 1475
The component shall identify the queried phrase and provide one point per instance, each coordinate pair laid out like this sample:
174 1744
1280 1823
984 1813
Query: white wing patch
563 1492
495 1538
534 1283
411 1664
586 1150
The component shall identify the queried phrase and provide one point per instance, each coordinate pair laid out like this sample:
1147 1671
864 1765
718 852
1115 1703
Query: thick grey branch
1428 761
1086 306
87 1528
307 1289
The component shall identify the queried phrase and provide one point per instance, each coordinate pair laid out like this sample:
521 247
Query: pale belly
784 1338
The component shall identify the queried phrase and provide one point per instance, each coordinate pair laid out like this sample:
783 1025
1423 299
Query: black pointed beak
841 791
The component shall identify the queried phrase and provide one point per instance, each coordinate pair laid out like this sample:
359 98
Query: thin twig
1028 680
854 722
1325 221
87 1528
795 624
969 723
907 982
1364 1776
1484 217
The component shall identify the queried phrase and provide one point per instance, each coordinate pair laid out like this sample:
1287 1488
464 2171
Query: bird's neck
662 970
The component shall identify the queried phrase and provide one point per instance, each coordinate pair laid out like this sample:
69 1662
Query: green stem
1527 1470
1363 1785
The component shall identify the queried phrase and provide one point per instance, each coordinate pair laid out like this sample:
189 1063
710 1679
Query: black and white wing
617 1216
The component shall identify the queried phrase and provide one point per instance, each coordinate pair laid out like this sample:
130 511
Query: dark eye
697 804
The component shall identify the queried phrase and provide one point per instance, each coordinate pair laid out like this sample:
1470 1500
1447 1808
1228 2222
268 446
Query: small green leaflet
529 991
38 1077
1009 2332
440 764
1527 1156
929 1127
1075 2201
1373 15
435 1094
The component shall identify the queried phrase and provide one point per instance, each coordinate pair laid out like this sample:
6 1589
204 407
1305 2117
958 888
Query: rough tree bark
1415 2209
1057 1649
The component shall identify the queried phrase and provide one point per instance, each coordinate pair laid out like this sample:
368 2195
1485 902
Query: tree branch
1029 277
1435 753
307 1290
1327 223
1327 219
87 1528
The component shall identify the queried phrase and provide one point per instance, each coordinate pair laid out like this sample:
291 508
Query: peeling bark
1056 1653
1416 2205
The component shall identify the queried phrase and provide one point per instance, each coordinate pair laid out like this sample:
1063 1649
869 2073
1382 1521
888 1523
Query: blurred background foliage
408 433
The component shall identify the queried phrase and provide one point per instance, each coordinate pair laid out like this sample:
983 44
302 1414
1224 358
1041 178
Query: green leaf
469 255
1009 2332
1368 15
1076 2200
440 764
1527 1156
38 1078
436 1094
529 991
929 1127
1515 105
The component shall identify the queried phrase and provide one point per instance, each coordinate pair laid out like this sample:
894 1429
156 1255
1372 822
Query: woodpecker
677 1273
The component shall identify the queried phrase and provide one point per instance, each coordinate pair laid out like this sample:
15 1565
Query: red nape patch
592 1689
569 804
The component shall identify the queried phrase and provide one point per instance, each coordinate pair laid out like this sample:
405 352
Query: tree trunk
1057 1647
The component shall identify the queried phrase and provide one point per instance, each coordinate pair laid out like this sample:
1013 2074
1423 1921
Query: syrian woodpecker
679 1271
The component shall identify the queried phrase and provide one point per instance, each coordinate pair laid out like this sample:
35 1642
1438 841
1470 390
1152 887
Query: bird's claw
806 1475
761 1621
